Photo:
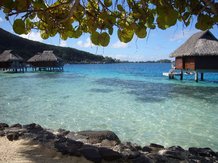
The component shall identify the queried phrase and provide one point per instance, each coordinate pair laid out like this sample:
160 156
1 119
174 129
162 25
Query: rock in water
204 152
98 136
17 125
3 126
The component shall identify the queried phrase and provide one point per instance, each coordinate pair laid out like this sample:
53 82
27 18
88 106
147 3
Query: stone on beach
3 126
102 146
99 136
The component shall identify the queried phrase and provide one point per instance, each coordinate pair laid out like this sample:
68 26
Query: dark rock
49 136
156 145
130 146
68 146
174 152
119 148
33 128
138 147
146 149
44 136
3 126
141 159
108 143
128 154
2 133
157 158
63 132
17 125
91 153
108 154
98 136
15 131
199 159
75 136
12 136
30 126
205 152
176 148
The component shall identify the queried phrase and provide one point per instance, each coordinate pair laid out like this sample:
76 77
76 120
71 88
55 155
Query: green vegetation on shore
157 61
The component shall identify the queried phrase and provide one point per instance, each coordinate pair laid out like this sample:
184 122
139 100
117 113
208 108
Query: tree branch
212 5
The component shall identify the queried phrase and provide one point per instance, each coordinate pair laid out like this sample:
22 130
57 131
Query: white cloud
63 43
119 44
85 44
35 36
1 20
182 35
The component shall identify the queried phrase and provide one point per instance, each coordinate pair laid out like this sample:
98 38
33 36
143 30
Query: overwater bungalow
11 62
199 54
46 60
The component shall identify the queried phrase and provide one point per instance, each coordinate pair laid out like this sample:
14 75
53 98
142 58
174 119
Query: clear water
133 100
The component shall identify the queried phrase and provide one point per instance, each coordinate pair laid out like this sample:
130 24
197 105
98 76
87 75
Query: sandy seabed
24 151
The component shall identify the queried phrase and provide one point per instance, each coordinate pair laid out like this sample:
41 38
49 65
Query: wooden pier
171 74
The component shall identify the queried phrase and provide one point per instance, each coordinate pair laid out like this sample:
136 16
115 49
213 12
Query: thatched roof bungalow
8 60
46 59
199 53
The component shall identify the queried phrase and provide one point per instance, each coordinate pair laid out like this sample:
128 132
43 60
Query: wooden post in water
181 75
202 76
196 76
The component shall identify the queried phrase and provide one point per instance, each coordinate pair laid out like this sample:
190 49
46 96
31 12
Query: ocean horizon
134 100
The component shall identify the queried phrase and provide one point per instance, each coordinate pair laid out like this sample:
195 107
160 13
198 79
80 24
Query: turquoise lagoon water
133 100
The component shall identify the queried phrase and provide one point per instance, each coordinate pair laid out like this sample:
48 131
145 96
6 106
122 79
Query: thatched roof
7 56
200 44
34 58
45 56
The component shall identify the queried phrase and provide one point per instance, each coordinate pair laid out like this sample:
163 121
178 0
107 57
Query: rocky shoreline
104 146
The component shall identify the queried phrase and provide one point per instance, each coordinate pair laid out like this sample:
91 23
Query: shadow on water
98 90
49 75
157 92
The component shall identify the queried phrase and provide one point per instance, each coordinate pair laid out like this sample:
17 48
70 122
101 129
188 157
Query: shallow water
133 100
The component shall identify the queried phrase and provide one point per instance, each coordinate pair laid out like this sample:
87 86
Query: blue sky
158 45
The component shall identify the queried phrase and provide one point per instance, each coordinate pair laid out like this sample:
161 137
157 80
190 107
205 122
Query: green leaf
125 35
141 32
21 5
95 38
78 33
167 17
120 8
104 39
39 4
64 36
32 16
110 30
107 3
19 26
44 35
204 22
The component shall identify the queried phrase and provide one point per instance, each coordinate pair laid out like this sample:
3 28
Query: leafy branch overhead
71 18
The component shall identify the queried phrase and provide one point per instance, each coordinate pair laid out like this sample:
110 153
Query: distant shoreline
138 62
